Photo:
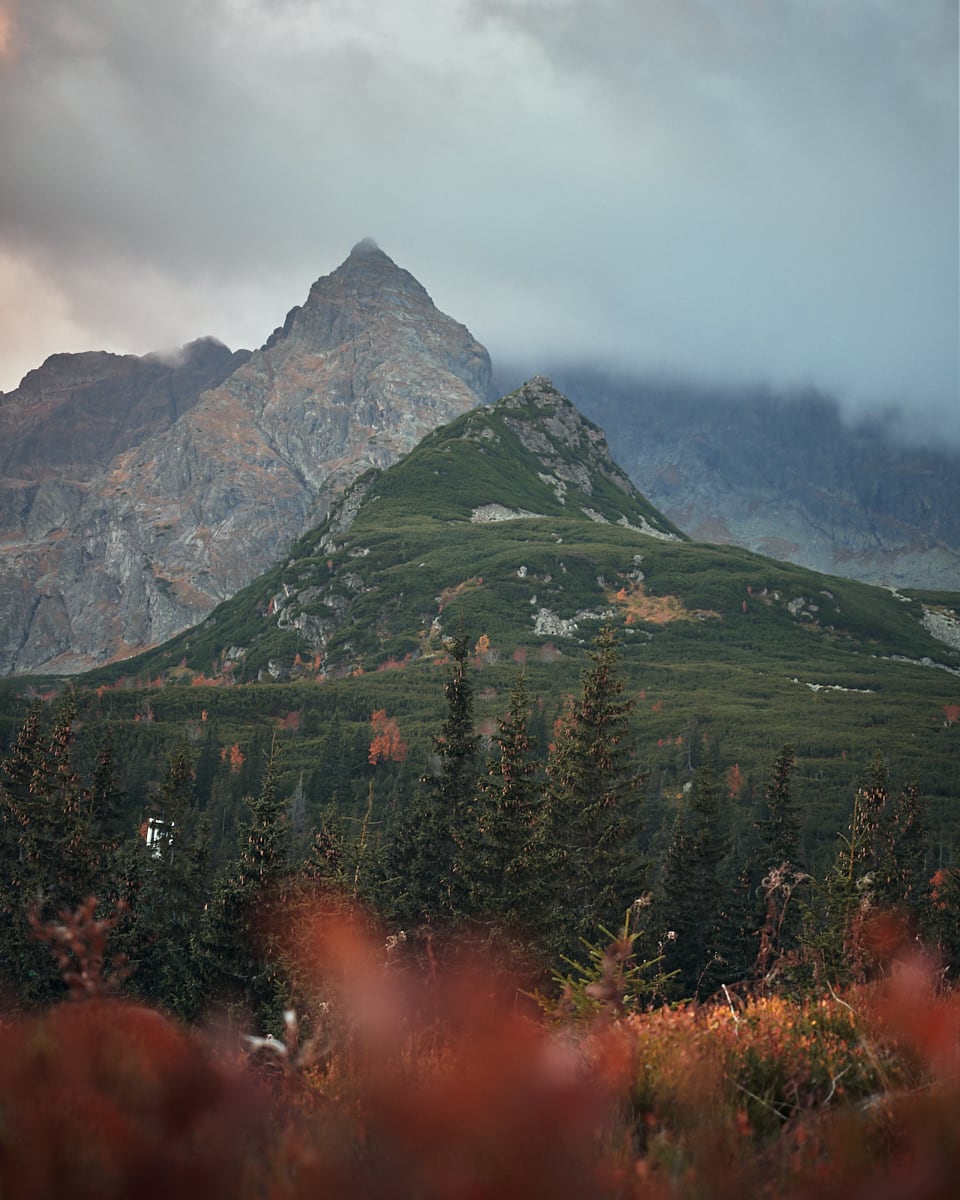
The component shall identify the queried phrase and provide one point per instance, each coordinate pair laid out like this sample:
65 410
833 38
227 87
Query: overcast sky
732 189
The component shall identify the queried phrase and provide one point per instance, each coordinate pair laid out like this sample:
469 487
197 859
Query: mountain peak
366 273
365 247
540 390
532 452
354 378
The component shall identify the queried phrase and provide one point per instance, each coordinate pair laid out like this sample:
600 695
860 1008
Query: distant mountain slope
784 475
514 523
58 432
71 415
183 518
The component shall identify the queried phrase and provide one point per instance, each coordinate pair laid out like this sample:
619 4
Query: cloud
732 189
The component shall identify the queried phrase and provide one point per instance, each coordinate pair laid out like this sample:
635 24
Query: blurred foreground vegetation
440 1082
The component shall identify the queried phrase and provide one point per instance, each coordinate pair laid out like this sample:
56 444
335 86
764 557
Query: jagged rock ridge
785 476
58 432
353 379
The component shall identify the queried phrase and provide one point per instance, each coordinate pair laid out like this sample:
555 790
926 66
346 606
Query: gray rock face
169 524
58 433
73 414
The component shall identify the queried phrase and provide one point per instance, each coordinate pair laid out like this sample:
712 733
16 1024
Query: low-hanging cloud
736 190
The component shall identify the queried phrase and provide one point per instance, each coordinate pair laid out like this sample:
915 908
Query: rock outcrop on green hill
784 475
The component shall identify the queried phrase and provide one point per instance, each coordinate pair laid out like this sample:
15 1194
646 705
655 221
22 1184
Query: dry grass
638 605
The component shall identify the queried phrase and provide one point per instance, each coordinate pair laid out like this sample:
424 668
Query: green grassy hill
514 522
513 525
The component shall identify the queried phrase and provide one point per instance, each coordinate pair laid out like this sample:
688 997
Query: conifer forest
481 958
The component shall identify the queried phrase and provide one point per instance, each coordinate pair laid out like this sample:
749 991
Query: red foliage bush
418 1082
438 1087
105 1099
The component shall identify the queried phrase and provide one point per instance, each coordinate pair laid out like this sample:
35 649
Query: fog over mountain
737 192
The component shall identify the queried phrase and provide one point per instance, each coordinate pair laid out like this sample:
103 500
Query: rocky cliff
69 417
178 520
59 431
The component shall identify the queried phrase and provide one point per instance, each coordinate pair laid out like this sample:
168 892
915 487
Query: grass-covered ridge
514 522
388 587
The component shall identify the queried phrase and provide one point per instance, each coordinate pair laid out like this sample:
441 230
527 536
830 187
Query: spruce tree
55 846
878 868
168 870
779 828
508 879
869 831
593 794
26 966
433 858
242 937
688 906
898 866
777 876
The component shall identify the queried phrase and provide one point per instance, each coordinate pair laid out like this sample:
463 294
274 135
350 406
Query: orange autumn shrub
838 1096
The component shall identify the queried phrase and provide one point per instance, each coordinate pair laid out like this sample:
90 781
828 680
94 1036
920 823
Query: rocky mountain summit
74 413
59 431
177 520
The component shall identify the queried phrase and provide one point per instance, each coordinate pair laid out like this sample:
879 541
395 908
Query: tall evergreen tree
869 829
242 952
26 966
779 828
688 907
777 875
899 858
593 793
884 854
509 836
909 841
55 845
168 868
432 859
878 867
